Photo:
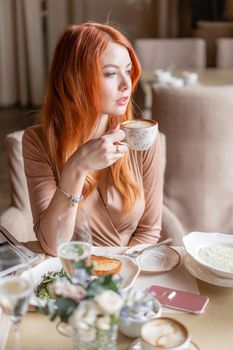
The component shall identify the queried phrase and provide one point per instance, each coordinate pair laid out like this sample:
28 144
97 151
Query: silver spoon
136 253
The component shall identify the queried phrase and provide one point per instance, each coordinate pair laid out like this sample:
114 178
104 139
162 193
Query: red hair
72 101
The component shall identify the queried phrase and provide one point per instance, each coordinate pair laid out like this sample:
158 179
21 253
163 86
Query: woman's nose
124 83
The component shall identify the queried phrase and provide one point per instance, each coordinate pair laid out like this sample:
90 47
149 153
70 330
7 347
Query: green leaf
65 307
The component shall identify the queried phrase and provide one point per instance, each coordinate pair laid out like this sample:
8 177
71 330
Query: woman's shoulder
33 131
34 140
33 134
35 146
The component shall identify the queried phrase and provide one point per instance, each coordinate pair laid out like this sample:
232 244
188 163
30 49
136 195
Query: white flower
103 323
92 313
86 312
65 289
109 302
82 326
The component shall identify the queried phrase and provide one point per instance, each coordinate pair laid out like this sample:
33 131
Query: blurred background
29 30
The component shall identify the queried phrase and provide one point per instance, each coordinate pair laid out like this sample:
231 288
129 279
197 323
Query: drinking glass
74 253
15 290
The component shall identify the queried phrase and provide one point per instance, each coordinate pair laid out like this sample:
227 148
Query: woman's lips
122 101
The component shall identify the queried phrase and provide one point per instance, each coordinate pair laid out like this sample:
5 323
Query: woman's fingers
101 152
114 136
121 148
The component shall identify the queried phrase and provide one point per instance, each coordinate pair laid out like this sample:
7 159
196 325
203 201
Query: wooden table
207 77
211 330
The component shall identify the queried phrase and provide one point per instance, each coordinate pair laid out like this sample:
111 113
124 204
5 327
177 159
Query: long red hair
72 101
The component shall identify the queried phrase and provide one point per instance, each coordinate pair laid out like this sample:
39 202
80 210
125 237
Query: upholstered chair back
160 53
197 123
224 53
17 218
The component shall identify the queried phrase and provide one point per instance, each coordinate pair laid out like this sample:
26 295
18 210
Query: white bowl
208 249
132 328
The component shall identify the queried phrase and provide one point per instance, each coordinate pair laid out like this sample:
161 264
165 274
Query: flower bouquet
90 307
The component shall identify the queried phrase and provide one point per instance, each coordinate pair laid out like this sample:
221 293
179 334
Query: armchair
197 122
157 53
224 57
17 219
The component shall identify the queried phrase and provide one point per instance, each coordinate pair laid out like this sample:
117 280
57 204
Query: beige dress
103 207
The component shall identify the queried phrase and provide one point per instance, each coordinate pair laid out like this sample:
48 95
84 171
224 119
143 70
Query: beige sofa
198 124
18 218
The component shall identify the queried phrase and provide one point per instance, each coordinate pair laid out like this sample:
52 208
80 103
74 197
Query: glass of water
74 251
15 290
74 245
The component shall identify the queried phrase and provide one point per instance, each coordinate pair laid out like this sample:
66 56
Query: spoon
136 253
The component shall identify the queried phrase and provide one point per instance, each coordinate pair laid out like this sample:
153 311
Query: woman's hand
99 153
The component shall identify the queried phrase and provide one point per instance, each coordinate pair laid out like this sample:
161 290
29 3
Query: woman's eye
128 72
109 74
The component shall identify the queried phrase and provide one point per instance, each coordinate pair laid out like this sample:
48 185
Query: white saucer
157 260
202 273
137 346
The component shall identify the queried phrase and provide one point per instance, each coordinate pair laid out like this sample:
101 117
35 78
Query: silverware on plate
136 253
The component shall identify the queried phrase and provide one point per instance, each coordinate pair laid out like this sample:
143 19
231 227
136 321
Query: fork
136 253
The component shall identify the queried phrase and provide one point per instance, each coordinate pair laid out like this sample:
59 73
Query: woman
73 159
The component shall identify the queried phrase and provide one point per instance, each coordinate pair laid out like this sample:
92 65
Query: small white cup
190 78
162 76
164 333
140 134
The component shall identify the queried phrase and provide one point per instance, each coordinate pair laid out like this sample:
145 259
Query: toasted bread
105 266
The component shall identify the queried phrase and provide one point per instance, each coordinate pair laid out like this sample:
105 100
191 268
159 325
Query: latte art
134 124
164 333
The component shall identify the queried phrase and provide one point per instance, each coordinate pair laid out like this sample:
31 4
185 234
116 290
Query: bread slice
105 266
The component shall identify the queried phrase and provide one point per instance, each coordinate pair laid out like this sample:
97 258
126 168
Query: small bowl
132 328
194 242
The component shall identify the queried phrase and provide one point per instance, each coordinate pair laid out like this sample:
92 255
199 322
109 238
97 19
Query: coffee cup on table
140 134
164 333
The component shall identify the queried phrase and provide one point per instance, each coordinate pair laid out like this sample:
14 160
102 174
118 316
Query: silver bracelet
73 199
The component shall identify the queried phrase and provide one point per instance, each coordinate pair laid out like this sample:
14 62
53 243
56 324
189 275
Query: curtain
28 32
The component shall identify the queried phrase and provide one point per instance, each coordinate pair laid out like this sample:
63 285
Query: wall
136 18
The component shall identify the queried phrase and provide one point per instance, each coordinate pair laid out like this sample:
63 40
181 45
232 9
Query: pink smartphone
179 300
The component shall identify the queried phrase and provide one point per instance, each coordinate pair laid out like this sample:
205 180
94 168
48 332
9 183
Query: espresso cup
140 134
164 333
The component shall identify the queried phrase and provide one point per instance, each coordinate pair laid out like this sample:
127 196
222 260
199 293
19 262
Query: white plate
129 272
194 241
36 273
157 260
137 346
204 274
